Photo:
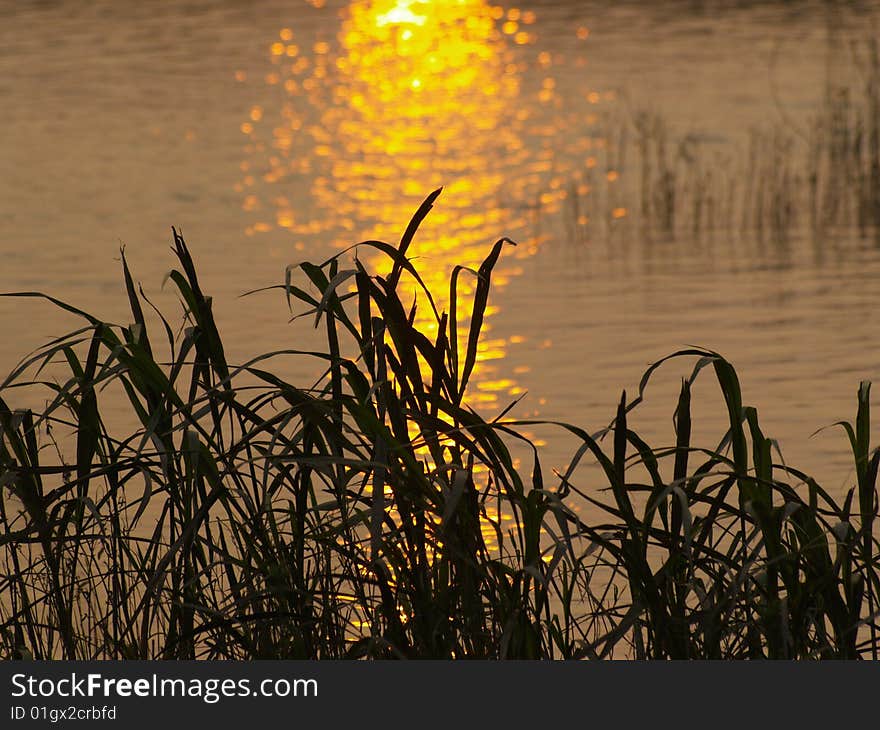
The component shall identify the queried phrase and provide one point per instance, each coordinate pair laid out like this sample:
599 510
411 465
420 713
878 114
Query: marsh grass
376 514
844 167
787 179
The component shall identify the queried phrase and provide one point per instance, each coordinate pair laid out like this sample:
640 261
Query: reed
375 514
785 180
845 165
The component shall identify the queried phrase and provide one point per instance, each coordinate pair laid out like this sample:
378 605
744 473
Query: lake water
275 132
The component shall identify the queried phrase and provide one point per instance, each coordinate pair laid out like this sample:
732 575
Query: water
277 132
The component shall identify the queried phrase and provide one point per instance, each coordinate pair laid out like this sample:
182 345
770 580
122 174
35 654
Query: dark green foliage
375 514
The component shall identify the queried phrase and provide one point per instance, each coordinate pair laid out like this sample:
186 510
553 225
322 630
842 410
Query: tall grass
376 514
786 179
844 169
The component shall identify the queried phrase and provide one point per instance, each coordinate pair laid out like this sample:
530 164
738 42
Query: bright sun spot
399 14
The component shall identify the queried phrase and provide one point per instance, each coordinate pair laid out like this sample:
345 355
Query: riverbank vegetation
375 514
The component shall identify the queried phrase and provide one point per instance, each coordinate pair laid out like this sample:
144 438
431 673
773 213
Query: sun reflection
419 101
409 96
401 14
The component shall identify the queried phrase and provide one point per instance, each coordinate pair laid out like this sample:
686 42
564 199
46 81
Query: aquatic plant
789 178
375 513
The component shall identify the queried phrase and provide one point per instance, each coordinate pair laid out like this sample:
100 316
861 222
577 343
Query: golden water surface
285 131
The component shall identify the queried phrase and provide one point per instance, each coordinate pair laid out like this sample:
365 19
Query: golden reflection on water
353 131
421 100
409 96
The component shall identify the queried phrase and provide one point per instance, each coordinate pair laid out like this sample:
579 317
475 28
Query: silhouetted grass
375 514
